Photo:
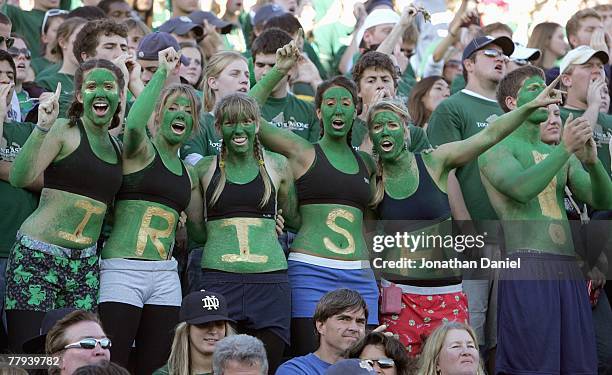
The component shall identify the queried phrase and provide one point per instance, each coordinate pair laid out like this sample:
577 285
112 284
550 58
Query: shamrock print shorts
43 277
423 310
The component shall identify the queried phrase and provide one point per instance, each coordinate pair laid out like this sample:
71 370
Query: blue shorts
257 300
310 282
544 326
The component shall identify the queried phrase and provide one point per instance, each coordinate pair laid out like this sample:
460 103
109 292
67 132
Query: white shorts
140 282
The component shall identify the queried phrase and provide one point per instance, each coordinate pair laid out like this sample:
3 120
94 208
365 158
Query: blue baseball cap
199 16
181 26
481 42
266 12
152 43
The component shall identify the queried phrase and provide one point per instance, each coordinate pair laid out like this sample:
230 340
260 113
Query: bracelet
42 129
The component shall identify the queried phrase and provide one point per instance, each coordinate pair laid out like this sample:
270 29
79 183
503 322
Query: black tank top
428 202
239 200
324 184
156 183
83 173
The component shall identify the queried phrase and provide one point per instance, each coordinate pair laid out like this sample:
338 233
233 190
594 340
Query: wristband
42 129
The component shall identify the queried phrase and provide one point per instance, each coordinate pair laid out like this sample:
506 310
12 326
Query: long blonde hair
215 65
431 351
233 109
400 109
179 362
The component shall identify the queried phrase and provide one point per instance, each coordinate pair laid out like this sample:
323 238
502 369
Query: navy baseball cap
181 26
203 307
152 43
266 12
199 16
481 42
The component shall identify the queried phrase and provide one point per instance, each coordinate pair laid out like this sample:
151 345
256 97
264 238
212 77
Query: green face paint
177 120
100 95
387 134
337 111
532 87
239 137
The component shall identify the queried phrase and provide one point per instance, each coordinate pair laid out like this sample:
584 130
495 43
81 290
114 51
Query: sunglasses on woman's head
90 343
51 13
382 362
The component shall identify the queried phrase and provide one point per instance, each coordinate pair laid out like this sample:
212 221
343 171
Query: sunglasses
520 62
51 13
494 53
15 52
90 343
382 362
9 41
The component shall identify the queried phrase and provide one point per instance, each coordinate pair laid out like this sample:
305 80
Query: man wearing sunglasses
29 22
79 340
462 115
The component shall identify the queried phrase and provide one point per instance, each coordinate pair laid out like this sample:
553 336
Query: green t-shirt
314 57
458 84
49 83
457 118
406 82
48 70
418 137
39 64
204 143
294 114
164 371
25 104
15 204
330 41
602 134
28 24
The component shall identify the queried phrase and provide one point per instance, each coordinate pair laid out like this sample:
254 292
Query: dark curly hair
378 61
394 350
88 38
76 108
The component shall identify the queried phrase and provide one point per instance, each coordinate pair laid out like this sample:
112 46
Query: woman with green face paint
54 262
410 197
333 187
140 292
242 258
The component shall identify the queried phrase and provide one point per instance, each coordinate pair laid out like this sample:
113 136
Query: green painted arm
196 228
262 89
509 177
135 137
591 184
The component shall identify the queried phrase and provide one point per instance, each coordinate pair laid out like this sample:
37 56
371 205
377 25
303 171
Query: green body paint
66 219
387 135
531 88
243 245
331 231
177 120
239 139
142 230
338 112
530 202
100 96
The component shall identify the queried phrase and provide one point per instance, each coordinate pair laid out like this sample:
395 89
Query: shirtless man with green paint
545 322
54 262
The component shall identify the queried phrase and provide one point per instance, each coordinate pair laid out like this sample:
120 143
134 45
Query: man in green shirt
29 23
459 117
282 108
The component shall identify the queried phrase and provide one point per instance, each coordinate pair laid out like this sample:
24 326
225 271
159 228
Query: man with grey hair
240 354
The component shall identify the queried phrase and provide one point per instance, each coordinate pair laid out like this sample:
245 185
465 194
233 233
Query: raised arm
287 197
43 144
456 154
408 15
135 139
501 168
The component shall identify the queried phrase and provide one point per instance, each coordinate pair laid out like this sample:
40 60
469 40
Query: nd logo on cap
210 303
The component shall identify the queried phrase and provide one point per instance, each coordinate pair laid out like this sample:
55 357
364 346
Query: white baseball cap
525 53
581 55
378 16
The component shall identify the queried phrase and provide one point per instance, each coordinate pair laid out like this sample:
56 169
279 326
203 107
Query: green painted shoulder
204 164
